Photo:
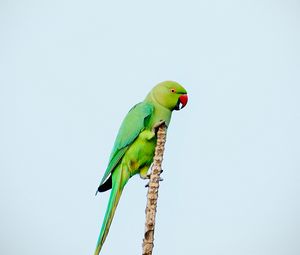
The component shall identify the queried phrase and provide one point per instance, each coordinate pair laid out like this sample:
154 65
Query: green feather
130 128
119 179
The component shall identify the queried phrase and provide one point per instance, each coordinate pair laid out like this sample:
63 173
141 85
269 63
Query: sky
71 70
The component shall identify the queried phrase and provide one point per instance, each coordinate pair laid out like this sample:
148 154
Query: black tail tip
105 186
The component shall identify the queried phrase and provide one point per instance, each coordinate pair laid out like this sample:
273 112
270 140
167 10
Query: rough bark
152 196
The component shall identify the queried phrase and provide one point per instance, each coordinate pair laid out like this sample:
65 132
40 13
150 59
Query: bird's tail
118 182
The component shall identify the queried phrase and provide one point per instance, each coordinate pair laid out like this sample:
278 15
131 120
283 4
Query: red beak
183 100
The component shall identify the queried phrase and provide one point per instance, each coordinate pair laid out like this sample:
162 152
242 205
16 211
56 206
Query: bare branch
148 241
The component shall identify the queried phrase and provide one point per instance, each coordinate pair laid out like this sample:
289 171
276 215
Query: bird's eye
173 90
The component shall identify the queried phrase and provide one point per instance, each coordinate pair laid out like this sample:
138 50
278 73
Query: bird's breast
141 152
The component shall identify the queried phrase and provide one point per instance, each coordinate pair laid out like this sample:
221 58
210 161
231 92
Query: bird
134 147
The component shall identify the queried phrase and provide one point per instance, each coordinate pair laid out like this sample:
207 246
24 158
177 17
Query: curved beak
182 101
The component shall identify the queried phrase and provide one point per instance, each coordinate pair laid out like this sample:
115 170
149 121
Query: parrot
134 147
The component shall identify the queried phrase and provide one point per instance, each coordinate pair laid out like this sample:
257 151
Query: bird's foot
157 125
145 177
159 180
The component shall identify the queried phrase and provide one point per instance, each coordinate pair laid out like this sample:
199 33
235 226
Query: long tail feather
117 187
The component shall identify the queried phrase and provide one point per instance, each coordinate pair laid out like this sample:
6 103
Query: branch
153 191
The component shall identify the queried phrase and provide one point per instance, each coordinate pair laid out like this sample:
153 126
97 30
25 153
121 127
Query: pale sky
70 71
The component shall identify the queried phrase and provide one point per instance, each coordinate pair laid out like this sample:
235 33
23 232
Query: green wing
131 127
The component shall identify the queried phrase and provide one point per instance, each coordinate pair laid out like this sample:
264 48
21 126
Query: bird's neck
160 112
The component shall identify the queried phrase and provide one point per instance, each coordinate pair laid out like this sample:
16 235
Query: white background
70 71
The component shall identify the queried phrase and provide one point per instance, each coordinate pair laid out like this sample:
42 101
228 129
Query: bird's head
171 95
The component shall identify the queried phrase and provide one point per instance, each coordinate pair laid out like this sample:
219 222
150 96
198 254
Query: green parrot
133 150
